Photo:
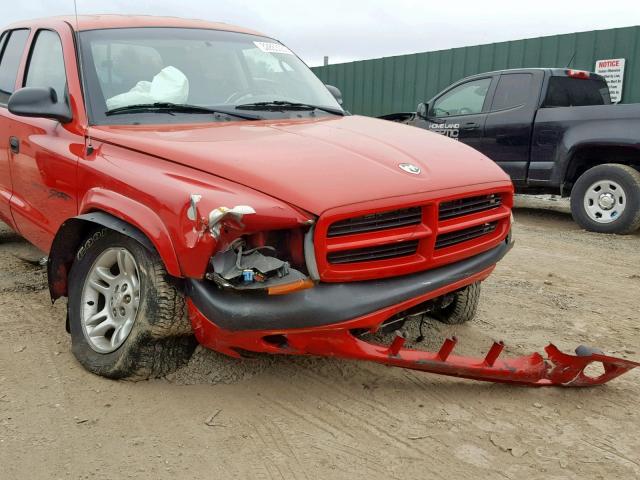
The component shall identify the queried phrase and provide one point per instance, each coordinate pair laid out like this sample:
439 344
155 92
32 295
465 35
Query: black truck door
460 112
509 123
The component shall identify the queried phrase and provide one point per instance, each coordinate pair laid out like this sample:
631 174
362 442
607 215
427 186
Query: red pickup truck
187 177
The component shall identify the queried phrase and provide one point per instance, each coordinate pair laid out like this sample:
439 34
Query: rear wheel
462 308
126 319
606 199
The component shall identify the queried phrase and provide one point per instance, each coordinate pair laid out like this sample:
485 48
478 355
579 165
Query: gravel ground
308 418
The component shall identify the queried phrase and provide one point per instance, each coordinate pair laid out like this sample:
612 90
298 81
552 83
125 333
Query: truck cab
546 128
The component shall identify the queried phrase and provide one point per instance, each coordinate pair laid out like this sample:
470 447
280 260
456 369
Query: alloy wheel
110 300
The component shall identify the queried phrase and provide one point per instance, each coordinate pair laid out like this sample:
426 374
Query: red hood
314 164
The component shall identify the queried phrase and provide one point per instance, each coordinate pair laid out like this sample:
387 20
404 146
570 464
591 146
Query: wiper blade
177 107
285 105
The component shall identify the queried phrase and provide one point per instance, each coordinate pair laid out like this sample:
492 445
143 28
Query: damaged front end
248 257
234 309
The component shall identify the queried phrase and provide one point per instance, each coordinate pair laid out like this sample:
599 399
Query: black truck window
465 99
10 62
576 92
512 91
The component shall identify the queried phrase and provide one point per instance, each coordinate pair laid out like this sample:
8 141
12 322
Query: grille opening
466 206
376 221
381 252
459 236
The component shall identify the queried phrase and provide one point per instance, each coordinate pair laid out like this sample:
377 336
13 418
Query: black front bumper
329 303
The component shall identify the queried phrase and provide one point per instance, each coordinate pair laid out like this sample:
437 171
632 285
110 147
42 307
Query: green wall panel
395 84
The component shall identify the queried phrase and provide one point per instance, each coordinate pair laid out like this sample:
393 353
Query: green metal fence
396 84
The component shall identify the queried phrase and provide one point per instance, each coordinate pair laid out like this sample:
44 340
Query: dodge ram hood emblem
410 168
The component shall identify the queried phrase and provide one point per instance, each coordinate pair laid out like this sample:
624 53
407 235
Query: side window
46 64
465 99
11 56
513 90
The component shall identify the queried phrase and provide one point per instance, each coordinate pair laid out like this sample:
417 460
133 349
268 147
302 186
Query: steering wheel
235 97
440 112
465 111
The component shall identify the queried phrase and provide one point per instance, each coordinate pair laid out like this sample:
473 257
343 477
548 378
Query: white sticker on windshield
270 47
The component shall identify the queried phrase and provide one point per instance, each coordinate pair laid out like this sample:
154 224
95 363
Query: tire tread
161 339
463 308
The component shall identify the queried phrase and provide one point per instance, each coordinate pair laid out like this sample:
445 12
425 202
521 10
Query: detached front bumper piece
553 369
536 370
328 320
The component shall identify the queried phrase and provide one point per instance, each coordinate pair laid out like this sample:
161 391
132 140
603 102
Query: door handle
14 143
470 126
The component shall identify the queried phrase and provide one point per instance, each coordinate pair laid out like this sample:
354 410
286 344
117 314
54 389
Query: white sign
613 72
270 47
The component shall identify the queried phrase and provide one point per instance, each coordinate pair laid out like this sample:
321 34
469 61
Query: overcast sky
359 29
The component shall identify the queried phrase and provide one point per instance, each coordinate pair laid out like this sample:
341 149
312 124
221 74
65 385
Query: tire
157 337
608 183
463 308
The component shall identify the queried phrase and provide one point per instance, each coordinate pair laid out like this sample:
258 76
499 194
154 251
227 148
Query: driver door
43 162
460 113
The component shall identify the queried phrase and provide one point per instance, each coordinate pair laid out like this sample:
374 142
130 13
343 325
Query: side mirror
39 102
422 110
335 91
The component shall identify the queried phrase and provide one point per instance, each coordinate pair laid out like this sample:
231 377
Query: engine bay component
251 269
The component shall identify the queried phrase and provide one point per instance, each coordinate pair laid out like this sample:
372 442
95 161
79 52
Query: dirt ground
288 418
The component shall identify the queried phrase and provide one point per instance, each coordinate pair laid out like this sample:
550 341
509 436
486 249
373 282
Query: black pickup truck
553 131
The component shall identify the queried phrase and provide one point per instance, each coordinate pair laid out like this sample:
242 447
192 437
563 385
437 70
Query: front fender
137 215
152 195
68 240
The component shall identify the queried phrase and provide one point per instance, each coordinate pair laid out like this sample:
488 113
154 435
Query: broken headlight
252 264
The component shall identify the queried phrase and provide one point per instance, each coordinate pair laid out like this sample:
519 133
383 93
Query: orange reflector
291 287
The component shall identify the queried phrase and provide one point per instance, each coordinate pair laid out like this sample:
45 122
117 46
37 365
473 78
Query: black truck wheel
126 319
606 199
463 308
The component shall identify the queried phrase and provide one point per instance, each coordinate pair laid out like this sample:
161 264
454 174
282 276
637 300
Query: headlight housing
272 262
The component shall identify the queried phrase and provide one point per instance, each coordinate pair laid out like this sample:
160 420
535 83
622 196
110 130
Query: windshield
206 68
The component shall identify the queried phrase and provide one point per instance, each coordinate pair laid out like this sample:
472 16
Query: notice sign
613 72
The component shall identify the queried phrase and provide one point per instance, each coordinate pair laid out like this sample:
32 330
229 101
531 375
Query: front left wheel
126 318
